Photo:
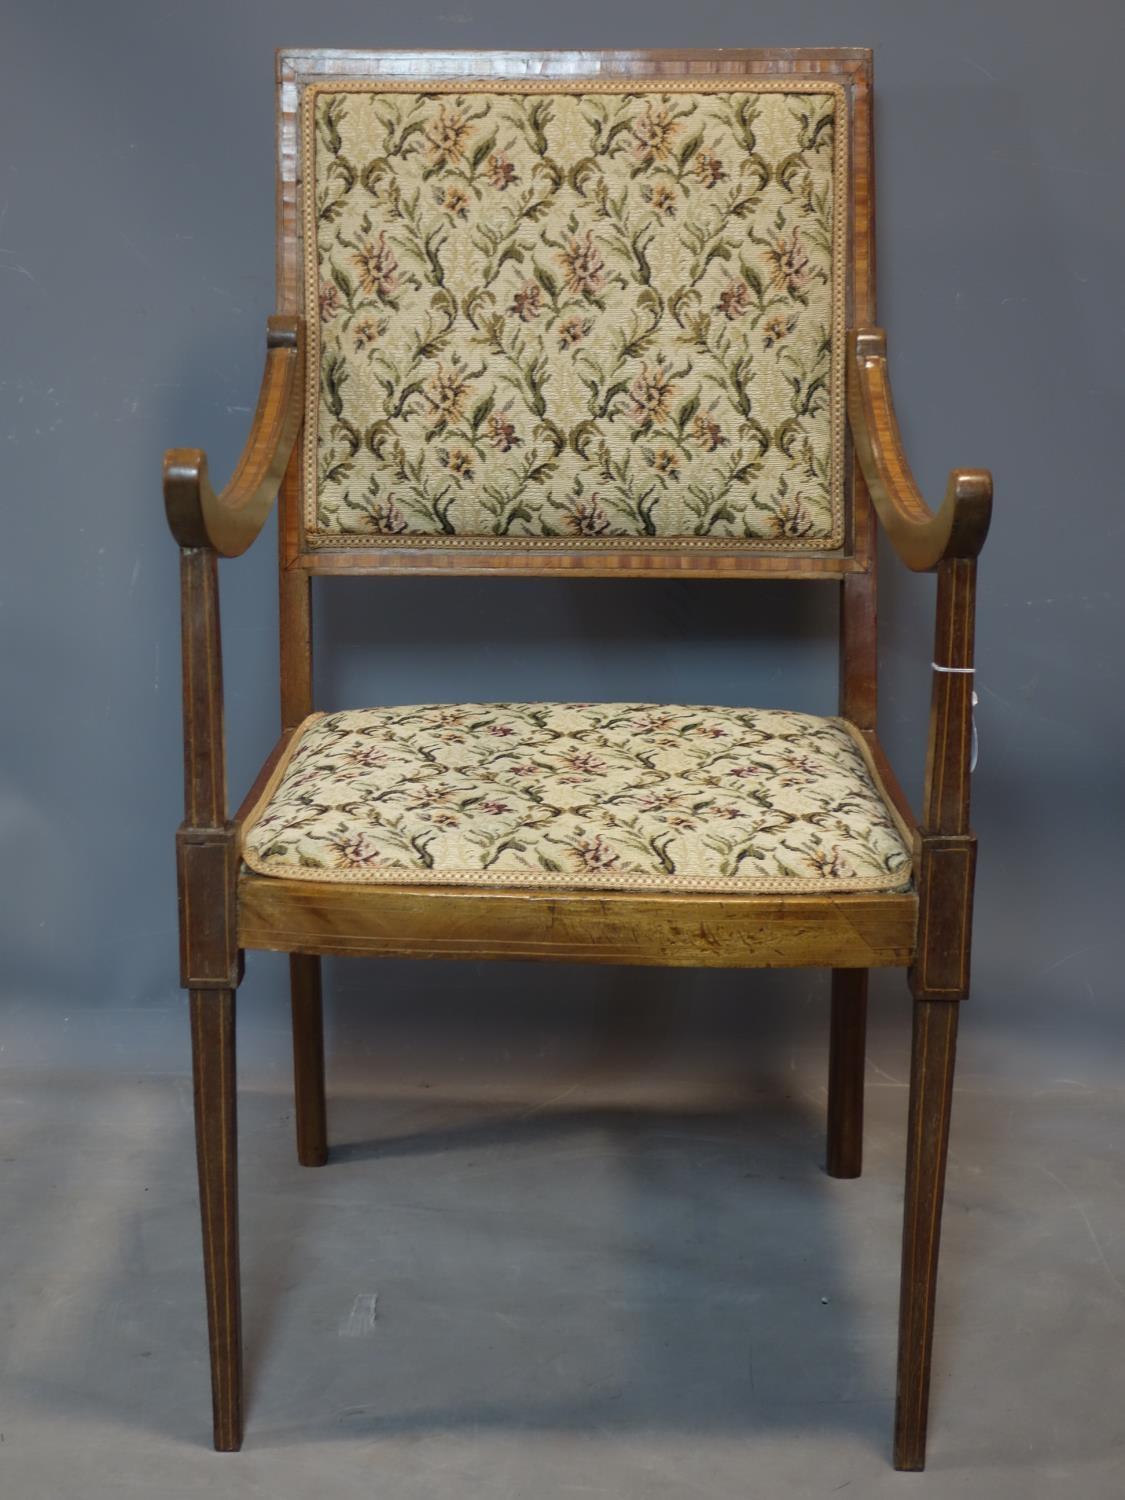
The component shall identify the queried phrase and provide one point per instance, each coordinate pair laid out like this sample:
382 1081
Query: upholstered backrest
605 312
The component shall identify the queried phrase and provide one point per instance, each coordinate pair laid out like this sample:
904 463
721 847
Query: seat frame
226 909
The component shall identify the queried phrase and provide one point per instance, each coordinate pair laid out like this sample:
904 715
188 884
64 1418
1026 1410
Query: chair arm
921 538
230 521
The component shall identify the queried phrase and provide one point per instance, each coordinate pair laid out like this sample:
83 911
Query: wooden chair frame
225 909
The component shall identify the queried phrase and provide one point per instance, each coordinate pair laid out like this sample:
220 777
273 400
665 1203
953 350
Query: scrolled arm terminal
922 538
228 522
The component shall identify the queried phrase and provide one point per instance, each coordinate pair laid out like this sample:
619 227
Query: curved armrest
921 537
230 521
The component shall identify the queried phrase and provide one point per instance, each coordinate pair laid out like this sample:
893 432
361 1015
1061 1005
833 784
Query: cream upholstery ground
596 314
617 795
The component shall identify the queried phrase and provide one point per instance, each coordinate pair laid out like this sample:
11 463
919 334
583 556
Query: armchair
581 314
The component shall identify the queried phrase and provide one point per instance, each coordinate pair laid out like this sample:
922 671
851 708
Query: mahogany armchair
581 315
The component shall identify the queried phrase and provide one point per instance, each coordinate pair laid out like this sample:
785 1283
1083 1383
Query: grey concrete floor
560 1274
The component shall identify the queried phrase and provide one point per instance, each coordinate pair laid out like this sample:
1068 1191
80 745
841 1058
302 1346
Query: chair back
575 312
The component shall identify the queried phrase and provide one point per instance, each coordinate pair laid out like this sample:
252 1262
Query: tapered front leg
846 1060
308 1060
931 1097
216 1144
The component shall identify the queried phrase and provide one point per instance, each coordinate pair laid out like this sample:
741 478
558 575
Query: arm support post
207 842
947 848
946 799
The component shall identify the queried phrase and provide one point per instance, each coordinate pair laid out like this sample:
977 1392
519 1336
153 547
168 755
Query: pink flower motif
356 849
329 300
593 854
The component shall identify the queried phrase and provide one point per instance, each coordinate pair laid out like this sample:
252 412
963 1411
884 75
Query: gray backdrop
136 273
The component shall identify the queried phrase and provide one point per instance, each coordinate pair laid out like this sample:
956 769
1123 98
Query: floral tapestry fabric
617 795
592 316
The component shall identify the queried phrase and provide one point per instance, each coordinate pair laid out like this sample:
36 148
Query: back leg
846 1058
308 1059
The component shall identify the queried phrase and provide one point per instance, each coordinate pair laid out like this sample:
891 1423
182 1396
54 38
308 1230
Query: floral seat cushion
620 796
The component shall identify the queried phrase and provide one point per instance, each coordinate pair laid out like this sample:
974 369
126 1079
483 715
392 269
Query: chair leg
931 1097
846 1060
216 1144
308 1059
